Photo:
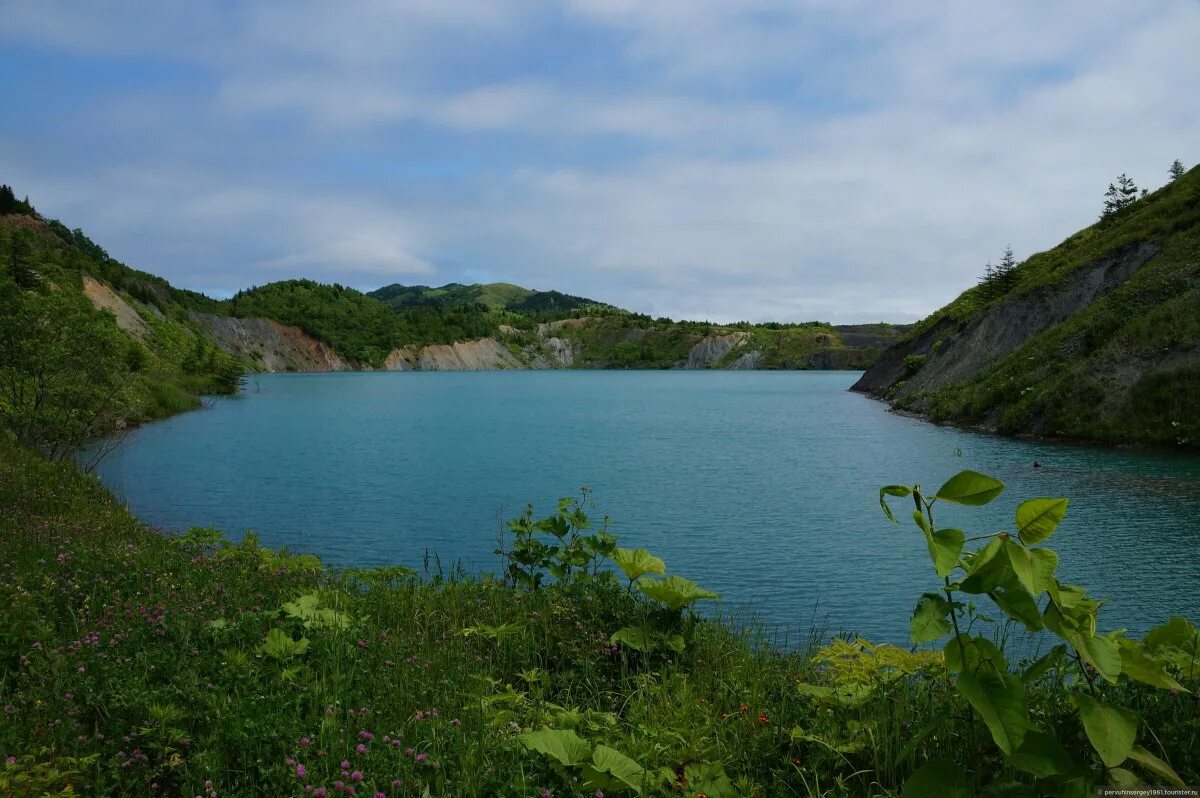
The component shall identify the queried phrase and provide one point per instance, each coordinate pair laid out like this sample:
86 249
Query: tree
1119 196
63 370
1176 171
1008 265
8 200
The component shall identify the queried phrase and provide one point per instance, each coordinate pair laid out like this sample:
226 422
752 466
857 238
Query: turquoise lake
761 485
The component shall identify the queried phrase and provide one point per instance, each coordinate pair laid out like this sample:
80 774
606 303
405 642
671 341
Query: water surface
761 485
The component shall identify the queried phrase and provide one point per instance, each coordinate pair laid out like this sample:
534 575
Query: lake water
761 485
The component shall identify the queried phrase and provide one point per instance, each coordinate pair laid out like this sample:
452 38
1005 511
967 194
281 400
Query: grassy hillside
1121 368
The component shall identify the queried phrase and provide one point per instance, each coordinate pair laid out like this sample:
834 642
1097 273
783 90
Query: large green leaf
1042 755
1155 765
1017 604
636 637
562 745
1034 567
937 778
987 568
1110 729
970 487
965 653
619 767
1038 669
1038 518
1176 642
1100 652
279 645
999 699
1138 665
892 490
638 562
929 621
945 547
675 591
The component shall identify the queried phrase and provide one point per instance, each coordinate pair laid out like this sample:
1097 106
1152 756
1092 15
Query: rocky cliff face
103 297
953 351
711 351
269 345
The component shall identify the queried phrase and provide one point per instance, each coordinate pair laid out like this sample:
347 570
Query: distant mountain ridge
1096 339
303 325
496 296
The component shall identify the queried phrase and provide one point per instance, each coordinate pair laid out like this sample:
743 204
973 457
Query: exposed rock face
551 353
709 352
271 346
105 298
486 354
748 360
1002 329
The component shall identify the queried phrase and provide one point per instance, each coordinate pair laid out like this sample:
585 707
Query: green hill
1096 339
494 296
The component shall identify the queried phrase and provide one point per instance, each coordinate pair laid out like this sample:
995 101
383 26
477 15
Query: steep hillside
1096 339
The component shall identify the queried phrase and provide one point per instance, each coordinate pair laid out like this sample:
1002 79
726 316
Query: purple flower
356 776
319 792
304 742
361 748
421 758
300 771
345 764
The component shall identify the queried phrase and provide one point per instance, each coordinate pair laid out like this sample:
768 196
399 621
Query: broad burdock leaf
971 488
675 591
563 745
999 699
635 563
1111 729
1038 518
620 767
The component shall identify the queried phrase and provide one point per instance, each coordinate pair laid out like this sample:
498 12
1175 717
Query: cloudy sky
842 160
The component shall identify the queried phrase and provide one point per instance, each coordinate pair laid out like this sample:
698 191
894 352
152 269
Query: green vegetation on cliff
494 296
70 371
1098 338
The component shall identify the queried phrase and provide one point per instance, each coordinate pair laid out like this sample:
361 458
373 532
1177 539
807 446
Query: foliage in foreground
135 663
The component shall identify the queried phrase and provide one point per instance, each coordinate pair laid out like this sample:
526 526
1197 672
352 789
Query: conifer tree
1119 196
1176 171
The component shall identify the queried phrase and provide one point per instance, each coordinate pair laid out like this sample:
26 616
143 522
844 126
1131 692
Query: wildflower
304 743
545 793
366 735
356 776
291 762
12 760
408 752
361 748
743 708
762 718
345 764
319 792
598 794
421 758
300 771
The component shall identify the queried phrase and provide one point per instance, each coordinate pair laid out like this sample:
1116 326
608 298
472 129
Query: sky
840 160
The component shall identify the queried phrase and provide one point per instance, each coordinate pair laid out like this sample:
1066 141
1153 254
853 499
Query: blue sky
819 159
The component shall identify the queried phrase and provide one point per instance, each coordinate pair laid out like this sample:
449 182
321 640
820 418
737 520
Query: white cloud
721 159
